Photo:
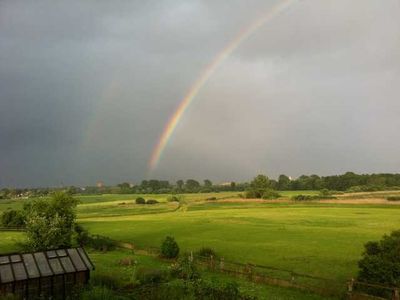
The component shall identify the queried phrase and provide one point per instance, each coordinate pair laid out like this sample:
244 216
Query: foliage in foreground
50 223
381 261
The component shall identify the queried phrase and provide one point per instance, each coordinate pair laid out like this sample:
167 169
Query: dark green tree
283 182
381 261
169 248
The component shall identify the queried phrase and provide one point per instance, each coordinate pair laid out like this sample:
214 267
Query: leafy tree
381 261
283 182
169 248
192 185
259 186
180 184
50 223
207 183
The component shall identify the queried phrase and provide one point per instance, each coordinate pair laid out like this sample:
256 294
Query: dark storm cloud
87 86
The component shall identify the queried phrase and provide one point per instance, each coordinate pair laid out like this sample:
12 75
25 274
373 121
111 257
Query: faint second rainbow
206 74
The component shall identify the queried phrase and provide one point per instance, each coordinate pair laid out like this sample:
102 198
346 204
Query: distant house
47 274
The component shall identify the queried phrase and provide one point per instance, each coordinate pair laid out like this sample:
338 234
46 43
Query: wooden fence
356 290
272 276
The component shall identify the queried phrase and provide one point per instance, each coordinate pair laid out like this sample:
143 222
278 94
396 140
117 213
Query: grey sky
86 88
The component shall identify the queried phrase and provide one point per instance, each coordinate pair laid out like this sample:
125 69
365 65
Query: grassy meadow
313 237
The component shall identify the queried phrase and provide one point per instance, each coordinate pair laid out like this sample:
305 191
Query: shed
49 274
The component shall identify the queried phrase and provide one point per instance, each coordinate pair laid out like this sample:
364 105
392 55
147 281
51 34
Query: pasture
318 238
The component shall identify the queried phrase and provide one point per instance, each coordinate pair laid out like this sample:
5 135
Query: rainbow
206 74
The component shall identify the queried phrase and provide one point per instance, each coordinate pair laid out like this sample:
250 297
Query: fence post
350 285
212 263
248 269
292 279
396 295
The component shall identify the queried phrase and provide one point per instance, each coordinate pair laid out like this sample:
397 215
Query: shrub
270 194
102 243
393 198
211 198
82 235
185 268
151 201
13 218
302 198
140 200
206 252
150 276
381 260
169 248
250 195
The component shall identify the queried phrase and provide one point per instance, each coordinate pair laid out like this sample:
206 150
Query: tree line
349 181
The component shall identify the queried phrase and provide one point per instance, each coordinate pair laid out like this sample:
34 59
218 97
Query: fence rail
356 290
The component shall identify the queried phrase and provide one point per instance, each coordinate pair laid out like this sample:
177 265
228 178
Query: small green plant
169 248
206 252
140 200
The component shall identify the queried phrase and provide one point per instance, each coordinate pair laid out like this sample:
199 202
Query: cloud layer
86 88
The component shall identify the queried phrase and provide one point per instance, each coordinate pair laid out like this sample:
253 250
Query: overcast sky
86 88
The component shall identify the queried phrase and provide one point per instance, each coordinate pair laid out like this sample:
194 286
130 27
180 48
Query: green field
316 239
320 239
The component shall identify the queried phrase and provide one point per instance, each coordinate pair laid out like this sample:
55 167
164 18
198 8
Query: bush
101 243
302 198
151 201
211 198
150 276
169 248
250 195
270 194
140 200
393 198
13 218
185 268
381 260
82 235
206 252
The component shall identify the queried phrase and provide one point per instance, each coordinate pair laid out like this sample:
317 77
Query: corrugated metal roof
17 267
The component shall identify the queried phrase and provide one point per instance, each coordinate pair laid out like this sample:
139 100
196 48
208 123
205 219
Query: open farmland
319 238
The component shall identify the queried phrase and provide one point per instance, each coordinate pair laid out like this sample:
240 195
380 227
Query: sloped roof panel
17 267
